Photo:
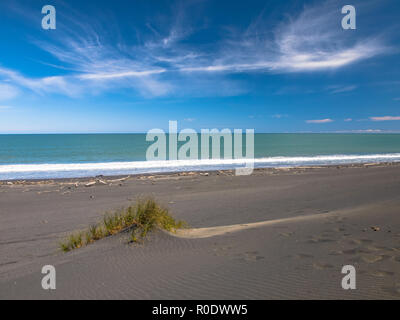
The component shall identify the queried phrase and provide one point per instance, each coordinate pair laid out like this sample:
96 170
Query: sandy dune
199 233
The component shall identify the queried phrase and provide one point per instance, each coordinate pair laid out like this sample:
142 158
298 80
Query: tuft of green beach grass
141 218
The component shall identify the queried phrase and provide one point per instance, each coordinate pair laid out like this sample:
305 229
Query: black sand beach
316 221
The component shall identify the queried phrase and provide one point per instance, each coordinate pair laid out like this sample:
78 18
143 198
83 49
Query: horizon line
166 132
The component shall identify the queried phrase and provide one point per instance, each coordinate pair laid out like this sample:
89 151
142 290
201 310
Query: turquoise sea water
76 155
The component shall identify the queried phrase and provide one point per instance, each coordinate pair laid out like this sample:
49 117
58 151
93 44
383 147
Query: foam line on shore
75 170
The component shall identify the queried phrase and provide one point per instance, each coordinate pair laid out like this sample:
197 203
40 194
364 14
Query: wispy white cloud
312 41
341 89
308 42
320 121
7 91
386 118
348 119
161 63
126 74
58 84
106 67
279 116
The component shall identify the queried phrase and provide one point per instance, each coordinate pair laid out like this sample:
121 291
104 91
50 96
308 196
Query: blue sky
130 66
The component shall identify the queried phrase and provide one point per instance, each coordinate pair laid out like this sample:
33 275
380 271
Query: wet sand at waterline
277 234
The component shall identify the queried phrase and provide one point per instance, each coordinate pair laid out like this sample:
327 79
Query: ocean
84 155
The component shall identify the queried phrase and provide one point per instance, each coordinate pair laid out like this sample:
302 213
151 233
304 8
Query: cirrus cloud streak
320 121
386 118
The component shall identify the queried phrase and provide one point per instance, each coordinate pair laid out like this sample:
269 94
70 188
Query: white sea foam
72 170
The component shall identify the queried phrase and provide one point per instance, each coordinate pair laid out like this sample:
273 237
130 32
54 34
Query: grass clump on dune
74 241
141 218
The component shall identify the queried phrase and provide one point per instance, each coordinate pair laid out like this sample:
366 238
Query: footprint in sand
372 249
250 256
397 259
336 253
304 256
358 241
339 219
353 241
382 273
385 248
221 250
286 234
395 290
322 266
320 240
327 234
370 258
366 240
355 251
